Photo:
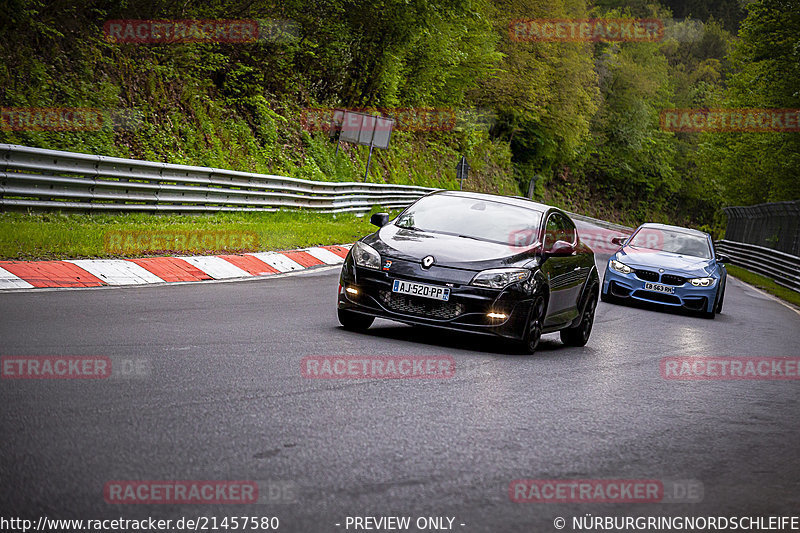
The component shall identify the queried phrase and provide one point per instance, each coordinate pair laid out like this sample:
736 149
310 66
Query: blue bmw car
667 265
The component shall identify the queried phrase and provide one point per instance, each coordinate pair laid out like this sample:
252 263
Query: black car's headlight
497 278
366 256
702 282
620 267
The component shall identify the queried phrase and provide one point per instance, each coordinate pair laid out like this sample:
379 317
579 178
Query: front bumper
685 295
466 310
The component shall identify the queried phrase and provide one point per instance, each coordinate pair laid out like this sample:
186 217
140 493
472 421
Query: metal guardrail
782 267
36 178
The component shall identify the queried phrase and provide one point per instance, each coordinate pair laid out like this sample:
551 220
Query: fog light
352 290
497 315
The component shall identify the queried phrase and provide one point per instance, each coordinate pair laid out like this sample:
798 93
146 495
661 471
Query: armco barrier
35 178
781 267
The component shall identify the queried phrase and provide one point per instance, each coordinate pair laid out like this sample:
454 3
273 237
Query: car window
559 228
569 230
674 241
474 218
552 230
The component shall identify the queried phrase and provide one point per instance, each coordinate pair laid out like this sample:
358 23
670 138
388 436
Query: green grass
764 283
76 236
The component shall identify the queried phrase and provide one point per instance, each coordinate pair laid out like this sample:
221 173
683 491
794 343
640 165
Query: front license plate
659 288
420 289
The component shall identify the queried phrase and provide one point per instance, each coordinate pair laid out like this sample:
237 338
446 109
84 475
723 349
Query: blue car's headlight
620 267
702 282
366 256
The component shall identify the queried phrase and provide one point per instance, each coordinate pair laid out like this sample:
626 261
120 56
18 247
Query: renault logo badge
427 261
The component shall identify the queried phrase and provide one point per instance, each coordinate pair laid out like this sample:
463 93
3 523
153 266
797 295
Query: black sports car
473 262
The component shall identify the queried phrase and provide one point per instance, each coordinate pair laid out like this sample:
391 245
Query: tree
765 73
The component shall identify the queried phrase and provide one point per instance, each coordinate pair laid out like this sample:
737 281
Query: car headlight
366 256
497 278
620 267
701 282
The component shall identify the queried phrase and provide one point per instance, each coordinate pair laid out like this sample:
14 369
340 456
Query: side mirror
723 258
619 241
379 219
560 248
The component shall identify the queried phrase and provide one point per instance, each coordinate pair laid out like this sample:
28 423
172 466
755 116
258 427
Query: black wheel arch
592 280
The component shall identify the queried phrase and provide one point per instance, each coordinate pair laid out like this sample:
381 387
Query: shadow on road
420 335
658 308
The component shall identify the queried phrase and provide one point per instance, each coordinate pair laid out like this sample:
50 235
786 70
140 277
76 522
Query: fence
775 226
765 238
34 178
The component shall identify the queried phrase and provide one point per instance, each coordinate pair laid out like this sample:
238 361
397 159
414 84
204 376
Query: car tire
721 298
354 321
578 335
533 329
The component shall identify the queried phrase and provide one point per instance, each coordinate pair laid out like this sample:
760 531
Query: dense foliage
582 118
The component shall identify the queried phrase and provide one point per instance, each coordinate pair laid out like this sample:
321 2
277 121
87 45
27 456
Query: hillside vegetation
580 117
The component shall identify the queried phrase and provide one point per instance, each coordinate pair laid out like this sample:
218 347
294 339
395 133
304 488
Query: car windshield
674 241
473 218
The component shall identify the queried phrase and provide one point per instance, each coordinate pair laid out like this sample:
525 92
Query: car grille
414 305
647 275
669 279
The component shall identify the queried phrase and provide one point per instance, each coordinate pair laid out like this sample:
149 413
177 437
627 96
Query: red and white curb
143 271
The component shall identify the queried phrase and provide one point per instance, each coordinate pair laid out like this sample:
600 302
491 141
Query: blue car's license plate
656 287
420 289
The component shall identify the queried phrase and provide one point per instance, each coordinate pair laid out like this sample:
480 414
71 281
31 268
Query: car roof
511 200
674 228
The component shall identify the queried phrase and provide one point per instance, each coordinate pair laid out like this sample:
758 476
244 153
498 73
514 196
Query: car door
556 269
576 269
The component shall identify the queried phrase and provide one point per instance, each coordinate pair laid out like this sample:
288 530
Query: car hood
448 250
676 263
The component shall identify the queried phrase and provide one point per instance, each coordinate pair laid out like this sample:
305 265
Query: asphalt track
220 397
